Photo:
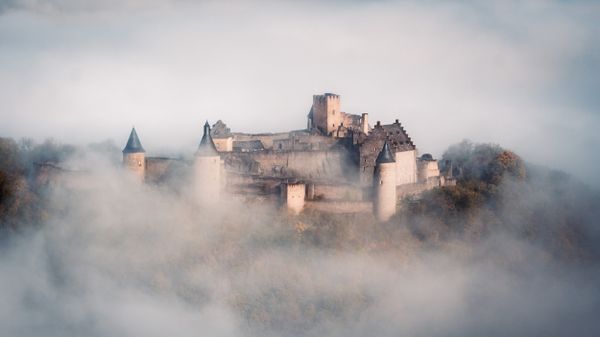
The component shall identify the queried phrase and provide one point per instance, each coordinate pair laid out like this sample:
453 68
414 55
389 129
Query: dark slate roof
207 147
385 156
133 144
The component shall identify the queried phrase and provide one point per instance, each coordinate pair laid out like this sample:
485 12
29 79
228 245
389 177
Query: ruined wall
293 196
338 192
224 144
157 168
135 163
345 207
265 138
406 167
364 123
303 142
427 169
334 165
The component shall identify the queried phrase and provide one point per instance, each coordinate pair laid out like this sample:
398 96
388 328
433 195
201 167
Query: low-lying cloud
118 258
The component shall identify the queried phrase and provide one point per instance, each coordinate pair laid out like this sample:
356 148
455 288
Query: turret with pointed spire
207 170
134 156
384 184
207 146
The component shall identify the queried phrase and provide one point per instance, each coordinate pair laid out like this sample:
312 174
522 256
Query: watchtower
326 114
384 184
134 156
207 170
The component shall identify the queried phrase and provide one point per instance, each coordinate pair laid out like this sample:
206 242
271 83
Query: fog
110 256
115 257
520 73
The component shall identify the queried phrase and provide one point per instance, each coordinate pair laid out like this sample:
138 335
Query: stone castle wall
334 165
406 167
224 144
427 169
293 196
345 192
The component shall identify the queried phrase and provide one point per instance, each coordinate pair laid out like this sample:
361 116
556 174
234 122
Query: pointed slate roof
133 144
385 156
207 147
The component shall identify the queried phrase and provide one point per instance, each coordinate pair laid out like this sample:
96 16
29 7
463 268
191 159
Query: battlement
328 97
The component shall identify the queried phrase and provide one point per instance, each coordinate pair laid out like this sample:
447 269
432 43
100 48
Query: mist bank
511 250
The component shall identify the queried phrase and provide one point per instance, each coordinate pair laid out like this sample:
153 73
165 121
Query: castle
339 163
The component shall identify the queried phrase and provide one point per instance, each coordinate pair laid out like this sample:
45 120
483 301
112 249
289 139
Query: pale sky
524 74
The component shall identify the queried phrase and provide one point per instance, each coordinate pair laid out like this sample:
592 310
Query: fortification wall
157 168
340 206
338 192
224 144
416 189
427 169
406 167
333 165
293 196
266 139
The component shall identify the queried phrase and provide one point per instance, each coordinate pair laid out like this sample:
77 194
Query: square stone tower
326 113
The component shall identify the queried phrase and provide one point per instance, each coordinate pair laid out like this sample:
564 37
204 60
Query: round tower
207 169
134 156
384 184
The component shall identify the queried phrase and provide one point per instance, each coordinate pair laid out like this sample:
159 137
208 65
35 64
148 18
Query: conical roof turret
133 144
385 156
207 147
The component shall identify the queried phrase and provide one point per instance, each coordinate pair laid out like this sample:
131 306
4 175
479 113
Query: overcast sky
524 74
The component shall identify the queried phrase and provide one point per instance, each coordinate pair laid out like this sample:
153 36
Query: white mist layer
119 258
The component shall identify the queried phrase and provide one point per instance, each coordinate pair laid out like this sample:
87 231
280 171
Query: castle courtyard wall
293 196
334 165
406 167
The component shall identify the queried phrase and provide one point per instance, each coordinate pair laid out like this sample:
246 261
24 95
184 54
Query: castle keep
339 163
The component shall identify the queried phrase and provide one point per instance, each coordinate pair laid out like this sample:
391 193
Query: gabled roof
133 144
207 147
385 156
